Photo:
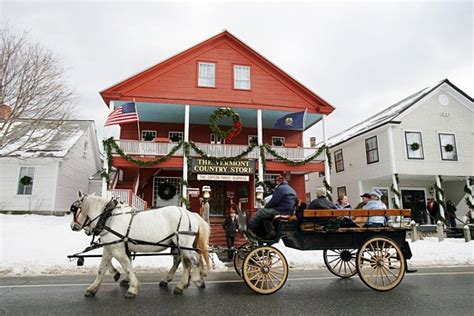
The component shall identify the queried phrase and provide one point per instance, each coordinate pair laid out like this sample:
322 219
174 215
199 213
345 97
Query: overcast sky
361 57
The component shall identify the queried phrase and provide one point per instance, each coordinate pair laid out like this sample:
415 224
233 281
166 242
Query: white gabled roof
387 115
61 141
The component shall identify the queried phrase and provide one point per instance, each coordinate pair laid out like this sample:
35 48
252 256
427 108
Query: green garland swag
440 198
230 133
328 189
218 159
297 162
166 191
397 193
468 191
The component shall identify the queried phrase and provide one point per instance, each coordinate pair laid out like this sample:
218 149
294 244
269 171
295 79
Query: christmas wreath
26 180
415 146
166 191
230 133
449 148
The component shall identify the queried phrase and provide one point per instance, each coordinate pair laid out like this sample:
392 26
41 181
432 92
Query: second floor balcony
146 148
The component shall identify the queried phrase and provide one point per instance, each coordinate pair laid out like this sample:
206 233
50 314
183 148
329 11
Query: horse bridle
76 210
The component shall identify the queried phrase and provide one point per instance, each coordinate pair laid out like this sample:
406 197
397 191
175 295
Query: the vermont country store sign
223 170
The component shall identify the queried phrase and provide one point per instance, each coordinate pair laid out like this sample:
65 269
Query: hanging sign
199 165
222 177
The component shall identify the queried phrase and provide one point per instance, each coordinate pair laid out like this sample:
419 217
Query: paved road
446 291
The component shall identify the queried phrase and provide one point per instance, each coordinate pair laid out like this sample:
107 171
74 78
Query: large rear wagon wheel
265 270
380 263
341 262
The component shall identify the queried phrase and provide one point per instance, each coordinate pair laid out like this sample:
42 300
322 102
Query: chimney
312 141
5 111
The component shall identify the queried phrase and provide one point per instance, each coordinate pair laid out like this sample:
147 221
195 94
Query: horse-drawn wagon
377 254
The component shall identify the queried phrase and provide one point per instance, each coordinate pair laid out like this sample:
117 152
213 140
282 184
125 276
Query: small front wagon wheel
265 270
380 263
341 262
239 255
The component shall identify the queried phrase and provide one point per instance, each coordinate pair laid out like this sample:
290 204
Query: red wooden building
174 101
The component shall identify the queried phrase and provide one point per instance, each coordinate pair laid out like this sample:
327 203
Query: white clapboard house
45 179
426 141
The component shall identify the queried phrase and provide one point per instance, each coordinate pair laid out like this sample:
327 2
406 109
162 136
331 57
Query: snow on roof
57 145
382 117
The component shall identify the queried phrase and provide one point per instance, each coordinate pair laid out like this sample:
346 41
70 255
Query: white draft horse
186 230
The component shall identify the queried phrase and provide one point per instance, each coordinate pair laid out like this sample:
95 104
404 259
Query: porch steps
218 237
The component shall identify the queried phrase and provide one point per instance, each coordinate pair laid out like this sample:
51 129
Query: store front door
415 200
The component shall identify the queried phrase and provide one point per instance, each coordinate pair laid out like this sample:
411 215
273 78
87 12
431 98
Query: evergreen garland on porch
328 189
439 195
396 192
272 152
224 159
468 191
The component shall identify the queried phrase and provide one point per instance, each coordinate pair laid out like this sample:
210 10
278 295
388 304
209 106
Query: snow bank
35 244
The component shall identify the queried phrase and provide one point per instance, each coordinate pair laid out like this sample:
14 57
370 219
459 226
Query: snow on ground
35 245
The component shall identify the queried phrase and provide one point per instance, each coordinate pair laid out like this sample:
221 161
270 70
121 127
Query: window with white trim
175 137
206 74
447 143
371 150
339 160
25 180
148 135
278 141
215 140
414 145
241 77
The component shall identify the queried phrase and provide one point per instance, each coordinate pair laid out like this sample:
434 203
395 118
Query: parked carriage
377 255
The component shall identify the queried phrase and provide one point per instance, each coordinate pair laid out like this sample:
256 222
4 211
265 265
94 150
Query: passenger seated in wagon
283 202
375 204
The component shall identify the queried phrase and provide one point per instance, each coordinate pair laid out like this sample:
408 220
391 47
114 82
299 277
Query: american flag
124 114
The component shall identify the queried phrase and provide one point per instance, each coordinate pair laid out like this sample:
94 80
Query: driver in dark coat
282 202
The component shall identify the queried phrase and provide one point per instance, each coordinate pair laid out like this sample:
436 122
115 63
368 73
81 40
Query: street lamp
206 194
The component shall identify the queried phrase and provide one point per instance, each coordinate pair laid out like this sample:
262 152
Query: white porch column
185 159
393 167
327 171
469 196
440 198
105 165
260 143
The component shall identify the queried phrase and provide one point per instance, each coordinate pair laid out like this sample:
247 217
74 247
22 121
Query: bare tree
33 87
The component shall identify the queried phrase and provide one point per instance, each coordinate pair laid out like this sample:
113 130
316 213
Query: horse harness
107 213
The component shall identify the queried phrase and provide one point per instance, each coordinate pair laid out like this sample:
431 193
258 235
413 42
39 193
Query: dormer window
206 74
242 77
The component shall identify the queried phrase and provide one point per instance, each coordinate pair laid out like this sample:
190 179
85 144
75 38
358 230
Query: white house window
341 191
175 136
241 77
25 180
278 141
371 150
215 140
148 135
253 139
339 160
207 75
448 148
414 145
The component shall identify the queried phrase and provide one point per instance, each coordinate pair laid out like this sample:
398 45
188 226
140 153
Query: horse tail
203 240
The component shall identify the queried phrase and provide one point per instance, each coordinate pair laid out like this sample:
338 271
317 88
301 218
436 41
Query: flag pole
138 119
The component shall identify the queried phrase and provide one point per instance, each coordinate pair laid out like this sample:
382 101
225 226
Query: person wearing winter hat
375 204
321 202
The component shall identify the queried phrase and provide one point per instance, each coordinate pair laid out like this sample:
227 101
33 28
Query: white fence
128 197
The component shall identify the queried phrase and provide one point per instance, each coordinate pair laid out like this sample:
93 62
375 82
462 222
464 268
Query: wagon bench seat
308 213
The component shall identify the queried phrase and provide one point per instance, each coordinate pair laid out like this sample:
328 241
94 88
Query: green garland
230 133
219 159
263 158
468 191
328 189
440 197
296 162
397 193
184 201
415 146
449 148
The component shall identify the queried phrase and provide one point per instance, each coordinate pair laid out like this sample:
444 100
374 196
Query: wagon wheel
239 256
265 270
341 262
380 263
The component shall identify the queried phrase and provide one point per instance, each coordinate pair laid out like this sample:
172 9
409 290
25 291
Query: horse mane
95 202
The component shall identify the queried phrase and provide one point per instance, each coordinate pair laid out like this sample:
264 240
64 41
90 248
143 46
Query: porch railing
128 197
135 147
